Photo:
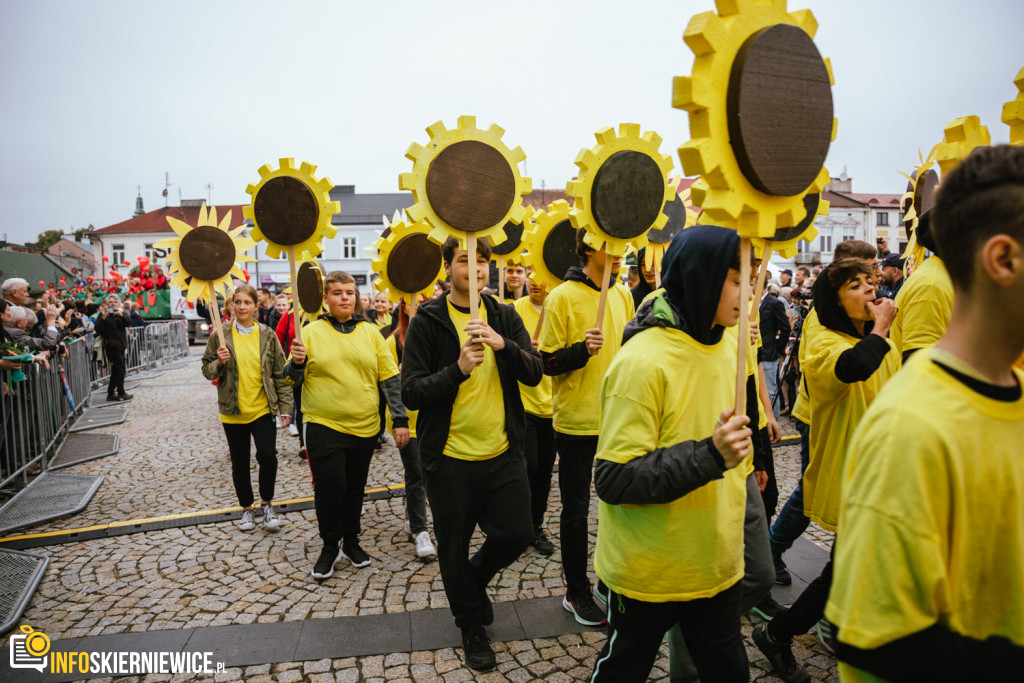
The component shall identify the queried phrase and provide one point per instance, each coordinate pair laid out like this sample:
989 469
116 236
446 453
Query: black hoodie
694 271
431 376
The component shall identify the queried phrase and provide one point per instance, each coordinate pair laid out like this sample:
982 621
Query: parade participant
111 326
926 302
251 392
670 474
415 491
516 286
792 521
540 432
576 355
340 360
647 282
847 362
383 310
928 569
453 370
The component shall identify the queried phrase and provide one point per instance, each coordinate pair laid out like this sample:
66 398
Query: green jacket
278 389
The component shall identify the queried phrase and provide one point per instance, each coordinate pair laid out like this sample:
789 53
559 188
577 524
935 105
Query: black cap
894 260
787 271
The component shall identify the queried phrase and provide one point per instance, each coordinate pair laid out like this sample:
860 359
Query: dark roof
878 200
360 209
32 267
837 200
156 221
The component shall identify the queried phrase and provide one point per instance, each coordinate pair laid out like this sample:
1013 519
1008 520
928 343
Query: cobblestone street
173 461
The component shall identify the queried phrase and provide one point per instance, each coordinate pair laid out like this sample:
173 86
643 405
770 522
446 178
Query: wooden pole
216 315
501 279
604 291
744 336
540 323
296 306
761 273
474 290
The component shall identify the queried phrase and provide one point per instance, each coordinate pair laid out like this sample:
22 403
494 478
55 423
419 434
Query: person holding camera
111 325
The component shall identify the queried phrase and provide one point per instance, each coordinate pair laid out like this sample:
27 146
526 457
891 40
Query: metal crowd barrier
35 414
38 410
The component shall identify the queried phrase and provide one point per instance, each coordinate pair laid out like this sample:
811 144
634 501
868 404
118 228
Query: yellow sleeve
924 322
822 355
554 333
386 366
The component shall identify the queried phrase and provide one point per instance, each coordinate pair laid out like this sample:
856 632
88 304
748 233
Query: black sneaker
303 454
476 647
584 609
542 544
354 554
488 615
782 576
125 397
780 656
766 609
601 595
324 566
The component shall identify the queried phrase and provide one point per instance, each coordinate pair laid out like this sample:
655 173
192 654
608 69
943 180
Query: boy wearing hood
471 444
576 355
672 489
342 362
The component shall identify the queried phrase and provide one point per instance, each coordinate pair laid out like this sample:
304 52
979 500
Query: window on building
825 240
148 250
348 247
883 218
117 253
849 233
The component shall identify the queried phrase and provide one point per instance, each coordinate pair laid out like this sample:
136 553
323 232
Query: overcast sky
97 98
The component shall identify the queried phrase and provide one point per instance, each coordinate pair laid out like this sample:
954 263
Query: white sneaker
247 523
270 519
408 530
424 548
293 430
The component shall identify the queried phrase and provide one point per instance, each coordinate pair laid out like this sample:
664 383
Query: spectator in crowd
267 312
802 273
14 291
775 329
892 275
111 326
251 391
21 320
786 278
632 277
133 312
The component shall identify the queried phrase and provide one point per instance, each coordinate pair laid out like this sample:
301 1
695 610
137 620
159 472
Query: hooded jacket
694 271
431 376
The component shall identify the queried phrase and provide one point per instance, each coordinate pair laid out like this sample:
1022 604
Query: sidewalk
249 598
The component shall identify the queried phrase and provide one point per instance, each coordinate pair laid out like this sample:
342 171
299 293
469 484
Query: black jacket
431 376
774 323
112 328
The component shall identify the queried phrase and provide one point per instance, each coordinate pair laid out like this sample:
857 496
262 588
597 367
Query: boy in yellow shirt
454 370
929 571
672 469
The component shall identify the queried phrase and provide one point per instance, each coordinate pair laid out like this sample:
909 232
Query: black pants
540 459
415 491
115 360
340 464
808 609
575 474
710 626
493 494
770 495
263 431
297 413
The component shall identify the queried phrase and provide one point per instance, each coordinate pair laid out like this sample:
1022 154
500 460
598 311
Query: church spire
138 204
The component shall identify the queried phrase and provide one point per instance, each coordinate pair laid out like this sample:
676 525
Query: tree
80 233
48 238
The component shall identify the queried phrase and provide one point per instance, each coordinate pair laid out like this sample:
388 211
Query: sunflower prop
291 211
407 261
681 215
619 193
509 249
203 259
550 243
915 202
760 107
1013 112
466 182
959 139
310 285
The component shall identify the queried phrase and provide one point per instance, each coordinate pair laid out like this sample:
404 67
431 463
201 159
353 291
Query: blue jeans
771 383
791 522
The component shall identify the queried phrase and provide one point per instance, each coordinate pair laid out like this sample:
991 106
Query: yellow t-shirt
692 547
837 409
925 303
252 397
802 406
536 400
391 342
932 514
477 429
383 320
571 310
339 389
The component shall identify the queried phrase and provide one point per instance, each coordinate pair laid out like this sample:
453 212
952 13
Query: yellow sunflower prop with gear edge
959 139
621 189
204 258
760 108
465 180
550 245
509 250
408 263
681 214
918 199
1013 112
